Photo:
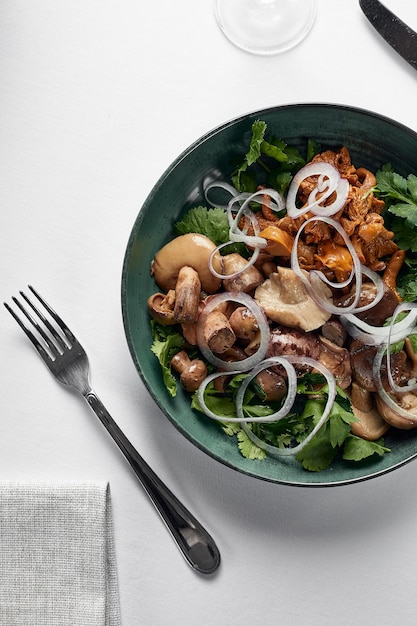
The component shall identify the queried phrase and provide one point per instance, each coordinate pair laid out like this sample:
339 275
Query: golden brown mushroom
247 280
187 295
161 307
192 250
192 372
217 332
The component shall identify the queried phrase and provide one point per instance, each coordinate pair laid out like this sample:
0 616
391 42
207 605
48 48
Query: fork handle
197 546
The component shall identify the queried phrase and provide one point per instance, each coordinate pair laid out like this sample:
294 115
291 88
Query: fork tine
59 346
59 321
55 347
43 353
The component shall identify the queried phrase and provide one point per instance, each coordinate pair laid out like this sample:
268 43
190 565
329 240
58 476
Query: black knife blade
399 36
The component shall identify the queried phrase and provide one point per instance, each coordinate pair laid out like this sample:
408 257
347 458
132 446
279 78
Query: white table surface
97 98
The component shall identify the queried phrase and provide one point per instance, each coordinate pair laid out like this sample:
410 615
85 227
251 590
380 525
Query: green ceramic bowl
373 140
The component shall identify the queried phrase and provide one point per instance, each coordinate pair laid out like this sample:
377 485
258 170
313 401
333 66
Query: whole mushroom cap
193 250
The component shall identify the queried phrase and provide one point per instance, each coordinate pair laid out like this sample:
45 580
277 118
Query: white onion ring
291 390
377 335
329 182
274 450
219 184
245 300
239 236
384 395
289 401
200 395
250 262
400 308
315 275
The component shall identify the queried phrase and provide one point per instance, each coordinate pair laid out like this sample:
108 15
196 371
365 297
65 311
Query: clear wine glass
265 26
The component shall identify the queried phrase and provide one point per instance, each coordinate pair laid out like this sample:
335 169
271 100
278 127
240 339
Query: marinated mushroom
285 300
161 307
187 295
247 280
192 250
337 361
270 385
244 324
370 425
192 372
217 332
406 401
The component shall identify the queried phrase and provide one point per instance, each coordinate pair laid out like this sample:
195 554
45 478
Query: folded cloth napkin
57 557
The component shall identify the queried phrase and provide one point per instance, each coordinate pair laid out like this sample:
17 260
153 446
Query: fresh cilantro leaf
210 222
222 405
400 195
252 155
319 453
274 151
248 449
231 428
405 237
313 148
357 449
272 156
407 211
166 343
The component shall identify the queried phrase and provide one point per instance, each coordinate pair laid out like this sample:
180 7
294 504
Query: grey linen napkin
57 557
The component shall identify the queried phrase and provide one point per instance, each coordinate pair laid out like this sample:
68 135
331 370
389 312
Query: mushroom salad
286 305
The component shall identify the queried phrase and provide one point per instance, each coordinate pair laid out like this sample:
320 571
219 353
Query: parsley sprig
400 196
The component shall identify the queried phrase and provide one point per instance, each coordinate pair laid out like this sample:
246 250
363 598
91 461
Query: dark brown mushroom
270 385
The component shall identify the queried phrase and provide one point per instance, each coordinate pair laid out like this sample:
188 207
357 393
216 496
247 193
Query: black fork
68 362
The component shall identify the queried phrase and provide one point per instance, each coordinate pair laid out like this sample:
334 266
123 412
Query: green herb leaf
248 449
319 453
210 222
357 449
166 343
400 195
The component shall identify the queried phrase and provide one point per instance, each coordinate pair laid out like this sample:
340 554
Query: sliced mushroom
217 332
193 250
334 330
285 300
247 280
293 342
362 359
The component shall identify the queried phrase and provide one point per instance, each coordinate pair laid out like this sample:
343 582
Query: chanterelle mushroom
192 250
285 300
